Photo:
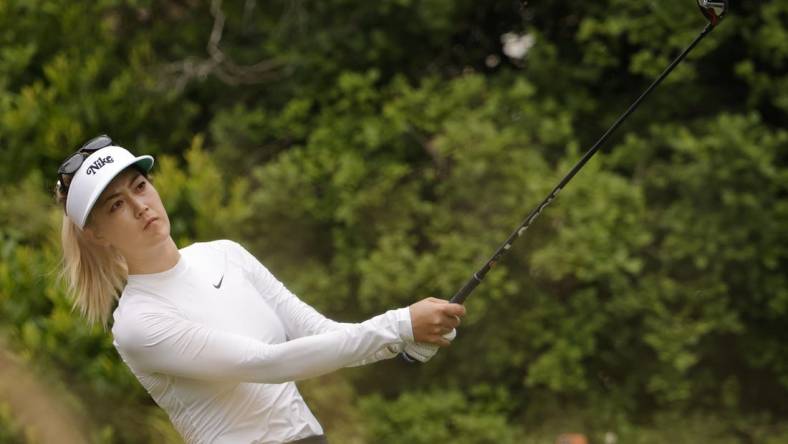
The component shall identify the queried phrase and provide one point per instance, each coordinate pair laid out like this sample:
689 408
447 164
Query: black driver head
714 10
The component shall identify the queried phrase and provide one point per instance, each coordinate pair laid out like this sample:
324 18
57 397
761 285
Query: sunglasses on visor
74 161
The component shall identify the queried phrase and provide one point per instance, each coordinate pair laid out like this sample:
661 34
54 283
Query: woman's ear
95 237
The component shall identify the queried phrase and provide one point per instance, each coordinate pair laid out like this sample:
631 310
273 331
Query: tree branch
179 74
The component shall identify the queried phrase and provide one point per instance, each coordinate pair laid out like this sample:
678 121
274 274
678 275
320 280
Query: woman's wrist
404 324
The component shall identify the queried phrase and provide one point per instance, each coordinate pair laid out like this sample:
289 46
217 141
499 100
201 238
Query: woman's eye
117 204
141 185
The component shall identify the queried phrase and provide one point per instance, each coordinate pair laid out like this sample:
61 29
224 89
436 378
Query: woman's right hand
432 318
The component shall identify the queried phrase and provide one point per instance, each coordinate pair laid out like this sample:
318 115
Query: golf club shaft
478 276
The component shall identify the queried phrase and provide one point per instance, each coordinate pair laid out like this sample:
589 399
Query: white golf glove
422 351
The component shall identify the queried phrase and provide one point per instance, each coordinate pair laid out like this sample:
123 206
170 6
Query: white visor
96 172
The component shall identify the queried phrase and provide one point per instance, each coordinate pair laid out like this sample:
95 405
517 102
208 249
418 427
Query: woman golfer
209 332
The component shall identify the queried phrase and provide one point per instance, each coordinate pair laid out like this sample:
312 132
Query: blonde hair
95 275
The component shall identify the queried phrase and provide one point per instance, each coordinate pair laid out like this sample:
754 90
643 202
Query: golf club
714 11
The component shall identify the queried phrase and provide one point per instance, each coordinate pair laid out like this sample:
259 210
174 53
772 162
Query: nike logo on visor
220 283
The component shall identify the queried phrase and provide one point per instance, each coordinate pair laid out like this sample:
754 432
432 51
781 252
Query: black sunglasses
74 161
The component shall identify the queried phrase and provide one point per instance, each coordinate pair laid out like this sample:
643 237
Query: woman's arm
434 319
299 318
164 342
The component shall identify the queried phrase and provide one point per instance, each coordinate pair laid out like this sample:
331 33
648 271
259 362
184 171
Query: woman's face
129 215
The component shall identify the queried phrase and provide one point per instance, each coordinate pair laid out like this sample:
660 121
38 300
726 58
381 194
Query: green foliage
380 151
21 218
41 324
10 431
71 70
200 204
438 416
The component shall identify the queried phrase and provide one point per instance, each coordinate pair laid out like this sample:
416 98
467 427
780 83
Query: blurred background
372 153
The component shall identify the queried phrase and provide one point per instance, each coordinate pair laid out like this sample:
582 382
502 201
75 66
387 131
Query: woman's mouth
150 221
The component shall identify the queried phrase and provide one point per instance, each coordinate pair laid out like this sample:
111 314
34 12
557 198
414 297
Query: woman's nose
139 207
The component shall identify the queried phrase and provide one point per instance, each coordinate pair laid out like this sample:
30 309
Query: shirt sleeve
161 341
299 318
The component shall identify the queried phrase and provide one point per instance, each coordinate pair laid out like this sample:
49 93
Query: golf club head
714 10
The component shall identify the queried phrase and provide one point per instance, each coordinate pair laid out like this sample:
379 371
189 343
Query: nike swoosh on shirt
216 286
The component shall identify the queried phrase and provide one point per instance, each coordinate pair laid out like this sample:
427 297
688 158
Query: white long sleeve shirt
217 341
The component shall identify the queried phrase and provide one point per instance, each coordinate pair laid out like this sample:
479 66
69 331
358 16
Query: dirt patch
36 407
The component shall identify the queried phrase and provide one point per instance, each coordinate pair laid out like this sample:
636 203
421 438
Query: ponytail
95 275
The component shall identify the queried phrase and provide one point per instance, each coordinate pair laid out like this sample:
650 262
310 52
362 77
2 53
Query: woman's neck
156 259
